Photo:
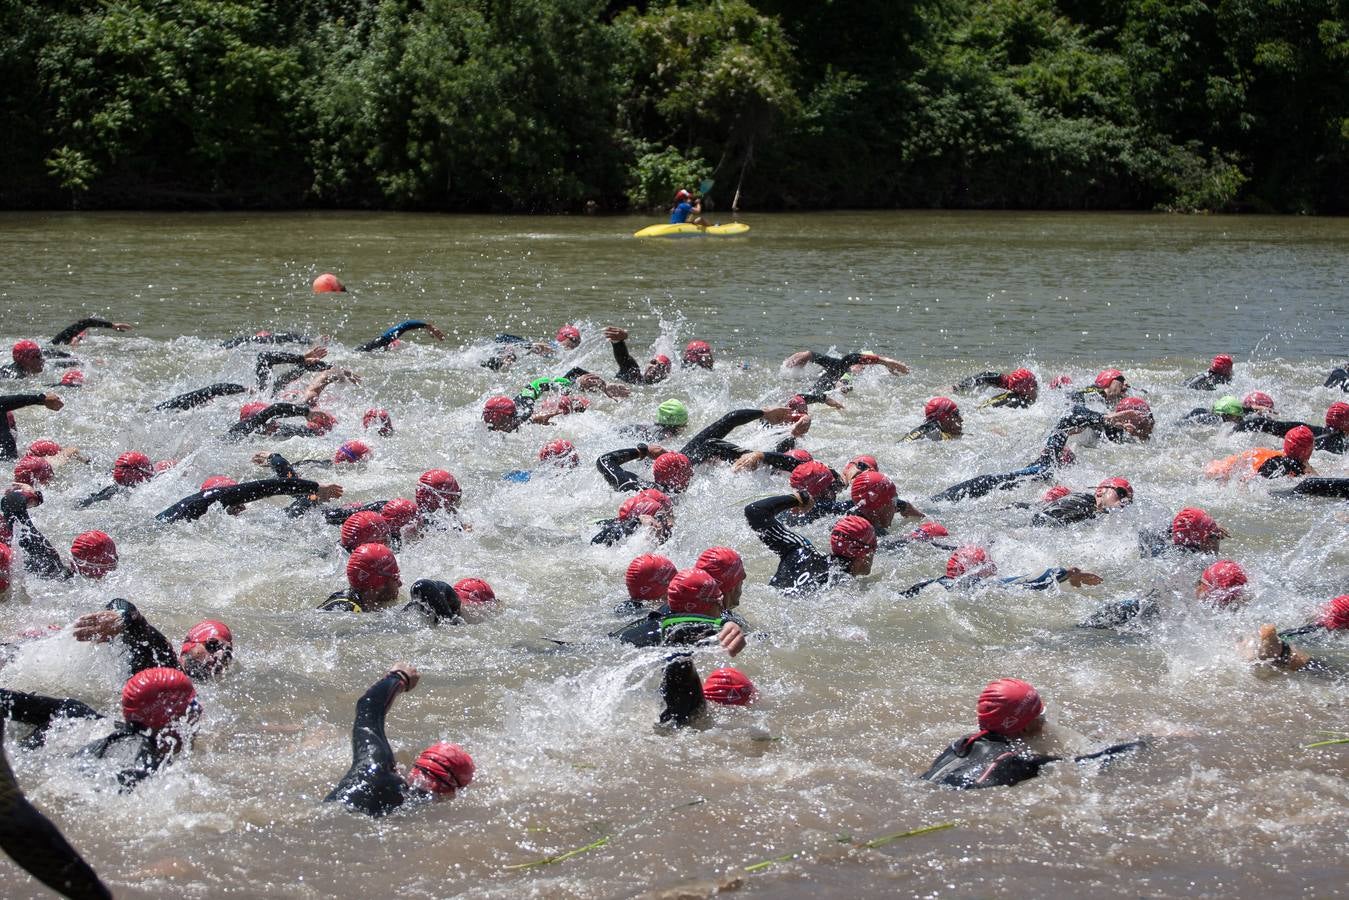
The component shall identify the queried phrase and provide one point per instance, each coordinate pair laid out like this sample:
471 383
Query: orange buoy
327 283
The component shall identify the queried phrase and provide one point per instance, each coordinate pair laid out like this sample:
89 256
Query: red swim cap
474 590
378 417
1120 485
1221 582
1020 382
1108 376
815 478
852 537
672 471
1298 443
1221 365
729 687
1059 381
662 362
568 333
442 768
398 512
26 350
940 409
1258 400
327 283
929 530
560 453
724 565
352 452
1337 417
970 560
865 459
33 470
648 576
698 353
364 527
1335 614
132 468
498 411
799 455
1192 527
94 553
1055 493
371 567
45 447
320 422
872 492
694 592
73 378
217 481
797 404
252 408
207 630
1008 706
650 502
437 488
6 557
1137 404
152 698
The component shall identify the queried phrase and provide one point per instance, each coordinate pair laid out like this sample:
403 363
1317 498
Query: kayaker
686 209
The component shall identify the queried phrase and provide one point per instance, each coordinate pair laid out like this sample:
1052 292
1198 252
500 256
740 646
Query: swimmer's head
380 420
327 283
1194 529
352 452
853 539
569 336
132 468
372 572
1337 417
862 463
364 527
693 592
875 497
729 687
1112 380
442 769
155 698
672 471
945 413
72 378
648 576
814 478
972 561
437 488
33 471
1222 584
658 369
399 512
560 453
6 560
1258 401
698 353
1020 382
208 649
1221 365
1298 444
1334 616
1228 407
320 422
1057 492
800 455
251 409
94 554
474 591
672 414
1009 707
27 356
44 447
728 569
1114 492
499 414
929 531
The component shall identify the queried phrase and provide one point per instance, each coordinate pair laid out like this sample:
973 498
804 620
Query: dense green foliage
548 105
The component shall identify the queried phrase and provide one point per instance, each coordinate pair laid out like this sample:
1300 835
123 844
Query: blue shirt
681 213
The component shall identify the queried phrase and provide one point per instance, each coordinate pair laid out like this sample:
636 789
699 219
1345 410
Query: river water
860 689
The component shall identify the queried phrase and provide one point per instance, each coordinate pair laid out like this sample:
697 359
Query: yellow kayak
734 229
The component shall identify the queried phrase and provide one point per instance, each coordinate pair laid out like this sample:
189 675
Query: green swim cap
672 412
1228 406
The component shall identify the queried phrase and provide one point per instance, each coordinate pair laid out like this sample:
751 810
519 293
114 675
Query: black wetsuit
112 490
197 505
272 358
834 369
41 712
1339 377
711 442
39 556
1066 510
33 842
1045 580
985 759
662 628
1274 426
281 337
147 648
388 337
1318 486
930 430
10 371
262 420
1152 544
993 379
372 785
67 334
619 478
614 530
1081 417
202 396
8 447
682 691
629 370
1208 381
980 485
651 433
1203 415
1280 466
1118 613
436 602
800 568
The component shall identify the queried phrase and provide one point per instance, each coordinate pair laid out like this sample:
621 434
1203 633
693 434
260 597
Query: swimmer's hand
804 502
329 491
72 453
747 462
1269 649
615 335
314 354
777 415
99 627
801 425
52 402
120 326
1077 578
262 458
654 450
908 510
797 360
435 332
409 672
538 348
732 638
832 403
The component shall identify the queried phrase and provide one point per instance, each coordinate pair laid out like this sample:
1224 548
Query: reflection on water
860 689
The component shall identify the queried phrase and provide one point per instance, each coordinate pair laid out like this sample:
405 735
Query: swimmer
39 556
1192 530
969 566
1110 495
1056 453
73 334
672 417
1219 372
835 367
207 651
685 695
697 354
388 337
670 471
128 470
201 396
657 370
995 755
373 784
941 422
801 569
10 402
1110 385
695 611
1019 388
1292 462
647 578
233 496
309 361
1332 438
650 509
